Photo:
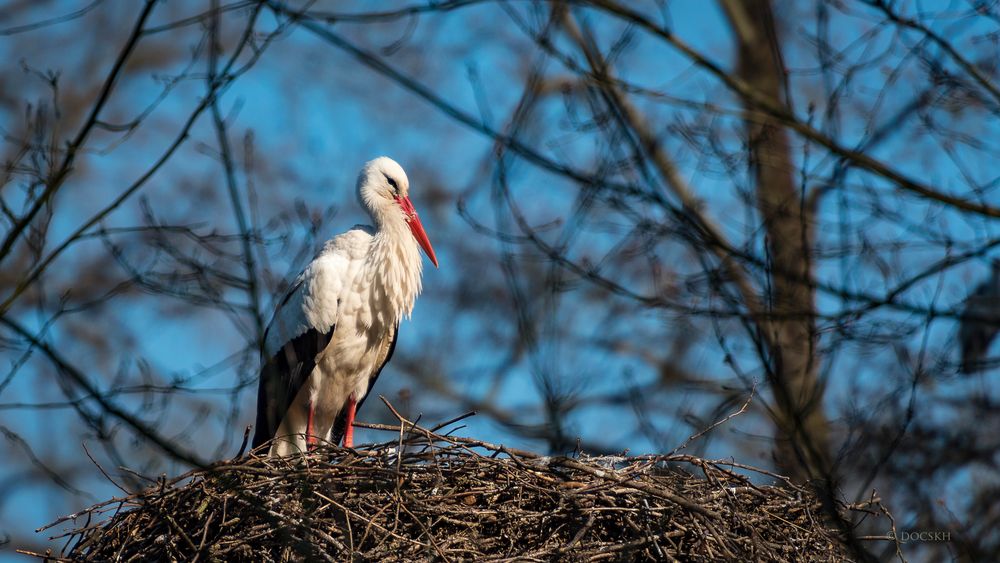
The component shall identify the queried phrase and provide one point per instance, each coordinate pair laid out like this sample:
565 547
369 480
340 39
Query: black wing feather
282 376
340 425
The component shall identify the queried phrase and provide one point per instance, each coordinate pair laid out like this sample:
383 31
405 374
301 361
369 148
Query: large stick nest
429 496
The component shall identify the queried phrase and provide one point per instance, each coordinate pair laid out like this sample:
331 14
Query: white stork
336 328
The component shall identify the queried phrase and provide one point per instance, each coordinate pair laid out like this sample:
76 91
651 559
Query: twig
718 423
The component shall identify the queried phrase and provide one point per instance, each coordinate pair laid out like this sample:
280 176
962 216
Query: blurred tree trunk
802 430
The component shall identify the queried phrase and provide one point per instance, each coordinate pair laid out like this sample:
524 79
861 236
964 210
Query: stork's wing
303 326
282 376
340 425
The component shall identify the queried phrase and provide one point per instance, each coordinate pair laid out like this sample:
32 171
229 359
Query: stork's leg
352 406
310 436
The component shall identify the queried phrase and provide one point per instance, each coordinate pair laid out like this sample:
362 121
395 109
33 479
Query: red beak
417 228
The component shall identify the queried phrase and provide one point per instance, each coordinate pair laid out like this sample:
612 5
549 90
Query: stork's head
384 190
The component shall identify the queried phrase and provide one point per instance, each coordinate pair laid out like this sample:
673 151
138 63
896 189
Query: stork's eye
392 183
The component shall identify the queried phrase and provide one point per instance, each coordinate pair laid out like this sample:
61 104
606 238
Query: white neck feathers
394 265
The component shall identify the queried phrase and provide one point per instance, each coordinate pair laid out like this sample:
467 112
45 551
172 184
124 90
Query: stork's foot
310 437
352 407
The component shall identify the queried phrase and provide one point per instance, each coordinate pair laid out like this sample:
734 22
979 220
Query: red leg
310 437
352 406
